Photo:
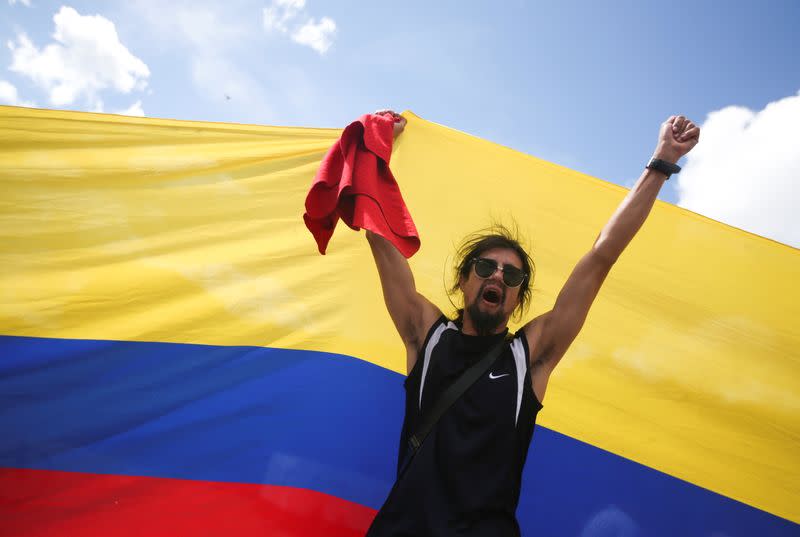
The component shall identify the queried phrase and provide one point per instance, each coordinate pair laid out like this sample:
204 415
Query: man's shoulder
439 326
415 350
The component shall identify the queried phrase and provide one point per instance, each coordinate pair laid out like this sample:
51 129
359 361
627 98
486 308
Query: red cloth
354 183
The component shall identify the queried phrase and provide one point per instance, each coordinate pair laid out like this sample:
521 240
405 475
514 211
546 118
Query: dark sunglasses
512 276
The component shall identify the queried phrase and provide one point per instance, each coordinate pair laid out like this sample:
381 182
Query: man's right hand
399 121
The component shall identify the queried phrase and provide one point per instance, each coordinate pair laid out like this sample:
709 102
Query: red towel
354 183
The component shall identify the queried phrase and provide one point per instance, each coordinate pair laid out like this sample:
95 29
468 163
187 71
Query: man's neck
468 328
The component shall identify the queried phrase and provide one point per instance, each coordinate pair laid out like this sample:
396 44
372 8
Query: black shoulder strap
446 400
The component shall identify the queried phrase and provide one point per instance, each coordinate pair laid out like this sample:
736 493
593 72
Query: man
465 478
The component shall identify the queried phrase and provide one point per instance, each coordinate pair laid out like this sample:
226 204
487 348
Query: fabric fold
355 184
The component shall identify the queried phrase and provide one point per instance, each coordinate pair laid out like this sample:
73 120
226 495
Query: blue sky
576 83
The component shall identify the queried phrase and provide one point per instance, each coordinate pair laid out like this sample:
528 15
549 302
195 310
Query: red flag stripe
46 503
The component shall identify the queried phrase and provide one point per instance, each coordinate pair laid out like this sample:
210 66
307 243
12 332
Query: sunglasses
512 276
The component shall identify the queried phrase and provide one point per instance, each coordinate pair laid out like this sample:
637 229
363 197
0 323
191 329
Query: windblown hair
475 244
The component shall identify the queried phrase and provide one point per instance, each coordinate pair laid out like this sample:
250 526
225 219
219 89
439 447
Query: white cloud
317 36
9 95
744 171
214 46
278 15
86 59
210 39
282 14
133 110
26 3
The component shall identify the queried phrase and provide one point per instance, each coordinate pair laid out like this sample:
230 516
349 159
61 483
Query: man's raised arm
411 312
552 333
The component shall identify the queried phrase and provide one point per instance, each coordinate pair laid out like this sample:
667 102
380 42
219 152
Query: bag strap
446 400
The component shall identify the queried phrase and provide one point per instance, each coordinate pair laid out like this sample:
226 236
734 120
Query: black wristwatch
667 168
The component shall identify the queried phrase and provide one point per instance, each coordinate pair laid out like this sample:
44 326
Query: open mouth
492 296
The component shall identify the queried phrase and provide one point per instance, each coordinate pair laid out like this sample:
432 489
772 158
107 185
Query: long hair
475 244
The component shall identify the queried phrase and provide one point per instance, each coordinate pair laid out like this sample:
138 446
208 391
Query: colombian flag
177 359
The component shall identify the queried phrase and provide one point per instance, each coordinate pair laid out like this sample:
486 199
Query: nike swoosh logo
492 376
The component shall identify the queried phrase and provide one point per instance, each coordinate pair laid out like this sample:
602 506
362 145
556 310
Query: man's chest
494 398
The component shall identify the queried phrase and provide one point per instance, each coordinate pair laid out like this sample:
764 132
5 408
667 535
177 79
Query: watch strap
667 168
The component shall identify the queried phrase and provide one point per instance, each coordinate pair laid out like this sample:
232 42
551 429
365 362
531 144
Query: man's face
488 301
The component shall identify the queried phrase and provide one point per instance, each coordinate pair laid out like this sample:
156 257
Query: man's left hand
677 137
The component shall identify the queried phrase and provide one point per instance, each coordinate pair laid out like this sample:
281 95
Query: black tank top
465 479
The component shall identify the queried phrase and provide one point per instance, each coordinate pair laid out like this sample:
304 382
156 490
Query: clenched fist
677 137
